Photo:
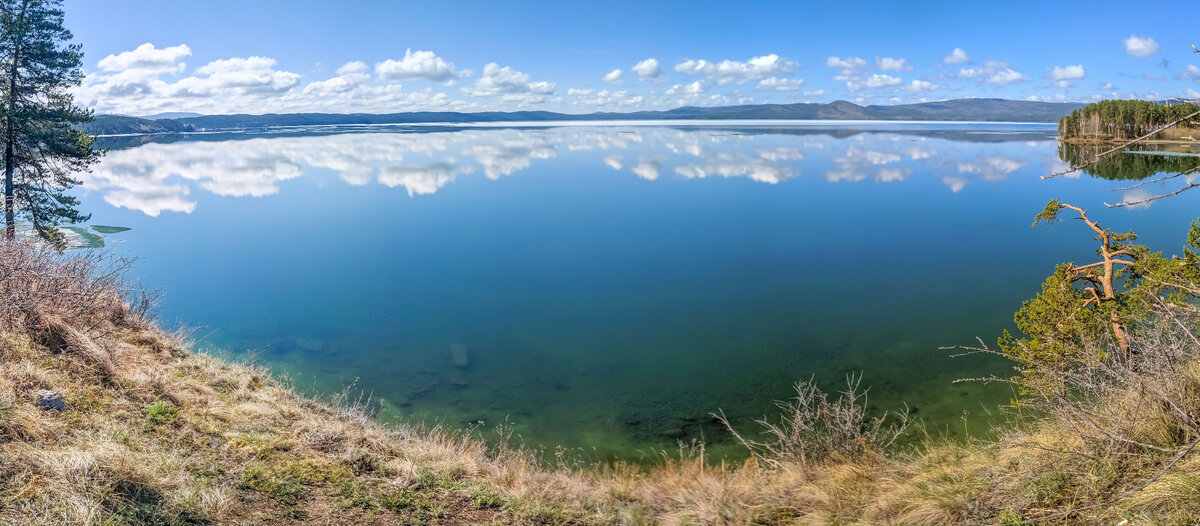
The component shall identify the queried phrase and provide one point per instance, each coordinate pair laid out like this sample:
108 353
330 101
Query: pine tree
1102 301
43 148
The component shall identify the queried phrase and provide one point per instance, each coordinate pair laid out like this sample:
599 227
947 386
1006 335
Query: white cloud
971 73
1139 196
892 175
1140 46
613 162
733 72
695 88
511 155
417 65
894 64
994 72
1191 73
848 68
613 77
419 180
921 85
780 84
921 152
242 85
755 169
992 168
956 184
845 63
1006 76
498 80
780 153
647 169
350 68
593 99
1065 76
247 75
647 69
874 81
147 57
350 76
854 154
958 56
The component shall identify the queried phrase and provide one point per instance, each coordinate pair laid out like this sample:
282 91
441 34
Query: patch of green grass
352 494
415 506
161 412
532 511
261 445
287 482
1045 487
1008 518
488 499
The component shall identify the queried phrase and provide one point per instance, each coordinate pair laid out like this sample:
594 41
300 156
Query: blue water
608 287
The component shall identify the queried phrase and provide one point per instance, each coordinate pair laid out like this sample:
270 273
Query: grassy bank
152 433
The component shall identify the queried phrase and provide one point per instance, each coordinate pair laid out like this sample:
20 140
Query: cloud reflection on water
159 177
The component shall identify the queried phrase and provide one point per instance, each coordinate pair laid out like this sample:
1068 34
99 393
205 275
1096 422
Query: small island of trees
1122 120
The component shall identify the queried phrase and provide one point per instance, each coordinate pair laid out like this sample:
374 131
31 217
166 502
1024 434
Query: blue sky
258 56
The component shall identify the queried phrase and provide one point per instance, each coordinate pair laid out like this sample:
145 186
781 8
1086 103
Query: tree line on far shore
1123 119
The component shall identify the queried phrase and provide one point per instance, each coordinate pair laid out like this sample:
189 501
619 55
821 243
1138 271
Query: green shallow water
606 288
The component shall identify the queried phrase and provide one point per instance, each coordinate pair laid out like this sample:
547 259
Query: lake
607 287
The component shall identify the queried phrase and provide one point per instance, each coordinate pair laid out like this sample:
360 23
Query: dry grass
154 434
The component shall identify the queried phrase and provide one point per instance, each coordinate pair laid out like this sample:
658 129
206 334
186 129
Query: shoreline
746 123
1114 142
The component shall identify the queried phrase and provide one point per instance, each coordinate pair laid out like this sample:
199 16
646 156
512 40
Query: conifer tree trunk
10 137
10 223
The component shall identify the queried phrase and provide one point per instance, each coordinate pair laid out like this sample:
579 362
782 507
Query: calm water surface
607 287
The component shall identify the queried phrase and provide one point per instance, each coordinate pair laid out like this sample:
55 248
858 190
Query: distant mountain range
991 110
173 115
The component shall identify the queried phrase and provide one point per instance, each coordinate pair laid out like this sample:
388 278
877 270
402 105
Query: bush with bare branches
812 427
82 288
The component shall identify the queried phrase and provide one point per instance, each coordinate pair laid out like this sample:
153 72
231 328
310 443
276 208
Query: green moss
161 412
1045 487
488 499
287 482
1008 518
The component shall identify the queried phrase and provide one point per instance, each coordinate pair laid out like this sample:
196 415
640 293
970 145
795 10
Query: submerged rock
459 356
457 379
312 345
50 401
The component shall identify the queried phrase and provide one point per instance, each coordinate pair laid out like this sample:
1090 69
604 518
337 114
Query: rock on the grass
50 401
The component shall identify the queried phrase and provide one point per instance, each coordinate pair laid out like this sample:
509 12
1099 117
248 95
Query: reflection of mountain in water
154 174
1123 166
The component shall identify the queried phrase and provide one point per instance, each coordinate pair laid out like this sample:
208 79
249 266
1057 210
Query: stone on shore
50 401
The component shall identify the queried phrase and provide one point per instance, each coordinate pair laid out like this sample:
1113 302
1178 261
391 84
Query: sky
144 57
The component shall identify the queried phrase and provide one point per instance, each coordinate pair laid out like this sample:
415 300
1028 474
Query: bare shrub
812 427
82 288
